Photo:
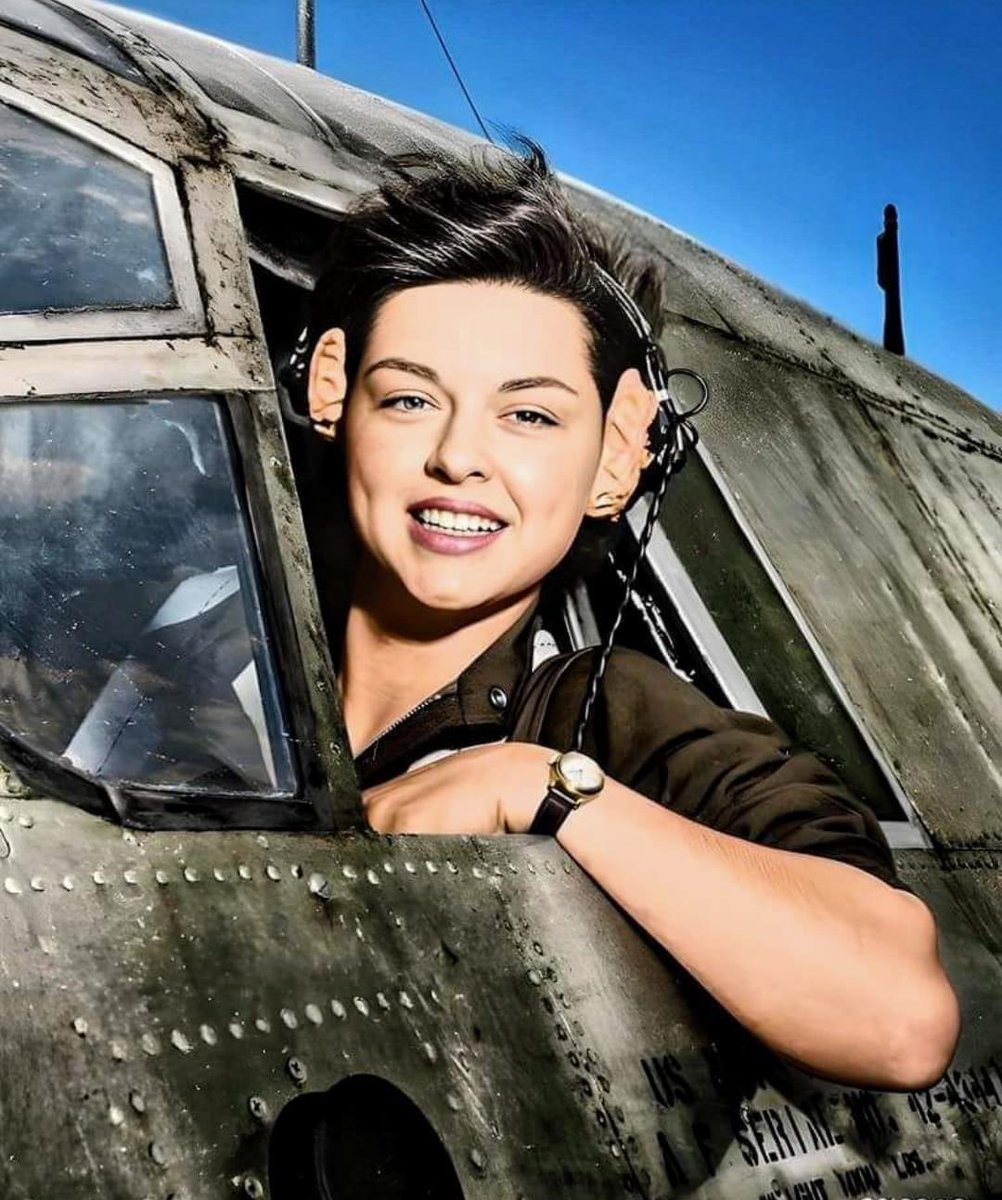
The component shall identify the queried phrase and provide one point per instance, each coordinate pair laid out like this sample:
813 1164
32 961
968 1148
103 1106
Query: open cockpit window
93 236
704 602
284 240
133 648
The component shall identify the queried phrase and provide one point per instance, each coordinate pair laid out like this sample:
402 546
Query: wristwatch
574 780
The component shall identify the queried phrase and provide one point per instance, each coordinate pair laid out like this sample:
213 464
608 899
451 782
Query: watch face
581 773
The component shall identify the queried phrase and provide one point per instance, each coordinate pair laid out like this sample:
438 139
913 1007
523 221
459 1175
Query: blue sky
773 132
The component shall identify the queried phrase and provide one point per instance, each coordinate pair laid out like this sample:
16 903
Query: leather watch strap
552 812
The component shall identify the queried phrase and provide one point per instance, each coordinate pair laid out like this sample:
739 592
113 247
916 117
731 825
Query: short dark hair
497 216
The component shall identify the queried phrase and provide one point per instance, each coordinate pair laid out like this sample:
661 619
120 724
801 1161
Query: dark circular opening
362 1140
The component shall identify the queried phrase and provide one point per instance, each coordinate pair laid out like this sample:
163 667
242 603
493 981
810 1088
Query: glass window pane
131 632
78 226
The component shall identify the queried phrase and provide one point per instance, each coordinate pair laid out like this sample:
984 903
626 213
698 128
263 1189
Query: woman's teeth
440 518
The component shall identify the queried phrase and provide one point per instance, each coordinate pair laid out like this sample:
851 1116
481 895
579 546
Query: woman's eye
531 416
401 403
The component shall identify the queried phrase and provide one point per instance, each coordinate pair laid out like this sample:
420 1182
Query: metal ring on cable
701 403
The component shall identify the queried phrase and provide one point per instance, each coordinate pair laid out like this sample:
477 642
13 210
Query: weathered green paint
487 978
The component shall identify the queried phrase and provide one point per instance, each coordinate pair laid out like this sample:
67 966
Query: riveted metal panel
198 972
700 1109
184 987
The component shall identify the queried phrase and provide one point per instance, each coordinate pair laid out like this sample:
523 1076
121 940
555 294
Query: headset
671 437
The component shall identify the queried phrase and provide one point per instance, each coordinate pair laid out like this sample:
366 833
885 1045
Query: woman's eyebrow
534 381
512 385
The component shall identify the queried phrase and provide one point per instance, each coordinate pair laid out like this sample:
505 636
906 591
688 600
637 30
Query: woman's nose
459 451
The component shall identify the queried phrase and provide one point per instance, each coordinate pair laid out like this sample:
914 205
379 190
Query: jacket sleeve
732 771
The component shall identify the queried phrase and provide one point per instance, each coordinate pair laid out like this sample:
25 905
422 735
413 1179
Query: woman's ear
328 382
624 446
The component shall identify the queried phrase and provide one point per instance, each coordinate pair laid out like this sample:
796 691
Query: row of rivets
131 877
14 887
317 883
151 1044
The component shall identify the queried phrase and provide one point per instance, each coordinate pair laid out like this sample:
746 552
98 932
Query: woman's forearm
826 964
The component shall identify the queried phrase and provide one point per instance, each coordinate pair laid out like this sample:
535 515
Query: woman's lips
443 542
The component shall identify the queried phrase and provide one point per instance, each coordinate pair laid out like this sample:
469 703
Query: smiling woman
482 385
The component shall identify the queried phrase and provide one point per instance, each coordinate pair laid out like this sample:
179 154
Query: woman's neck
394 656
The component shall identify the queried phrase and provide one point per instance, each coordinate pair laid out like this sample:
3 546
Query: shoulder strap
535 697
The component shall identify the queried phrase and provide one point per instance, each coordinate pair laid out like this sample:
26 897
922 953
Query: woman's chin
472 596
407 590
456 600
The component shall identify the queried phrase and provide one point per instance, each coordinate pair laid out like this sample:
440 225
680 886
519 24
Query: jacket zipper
399 721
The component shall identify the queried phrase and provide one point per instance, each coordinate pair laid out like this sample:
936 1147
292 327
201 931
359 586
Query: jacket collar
477 707
489 685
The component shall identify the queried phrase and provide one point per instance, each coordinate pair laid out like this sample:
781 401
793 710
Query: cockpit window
79 226
133 647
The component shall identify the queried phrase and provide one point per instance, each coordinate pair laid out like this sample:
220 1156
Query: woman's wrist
525 779
525 787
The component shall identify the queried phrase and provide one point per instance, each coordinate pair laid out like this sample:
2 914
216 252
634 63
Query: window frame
233 367
311 806
907 833
668 571
233 364
185 316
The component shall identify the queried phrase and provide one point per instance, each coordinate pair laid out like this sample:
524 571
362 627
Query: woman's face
473 433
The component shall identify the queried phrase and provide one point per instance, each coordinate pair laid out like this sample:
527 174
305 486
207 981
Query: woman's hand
485 789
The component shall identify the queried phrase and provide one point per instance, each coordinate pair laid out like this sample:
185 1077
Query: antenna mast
306 34
889 278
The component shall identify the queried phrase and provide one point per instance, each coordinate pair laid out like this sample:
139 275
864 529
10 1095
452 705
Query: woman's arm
829 966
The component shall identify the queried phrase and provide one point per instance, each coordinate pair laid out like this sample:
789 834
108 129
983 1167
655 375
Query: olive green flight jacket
657 734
